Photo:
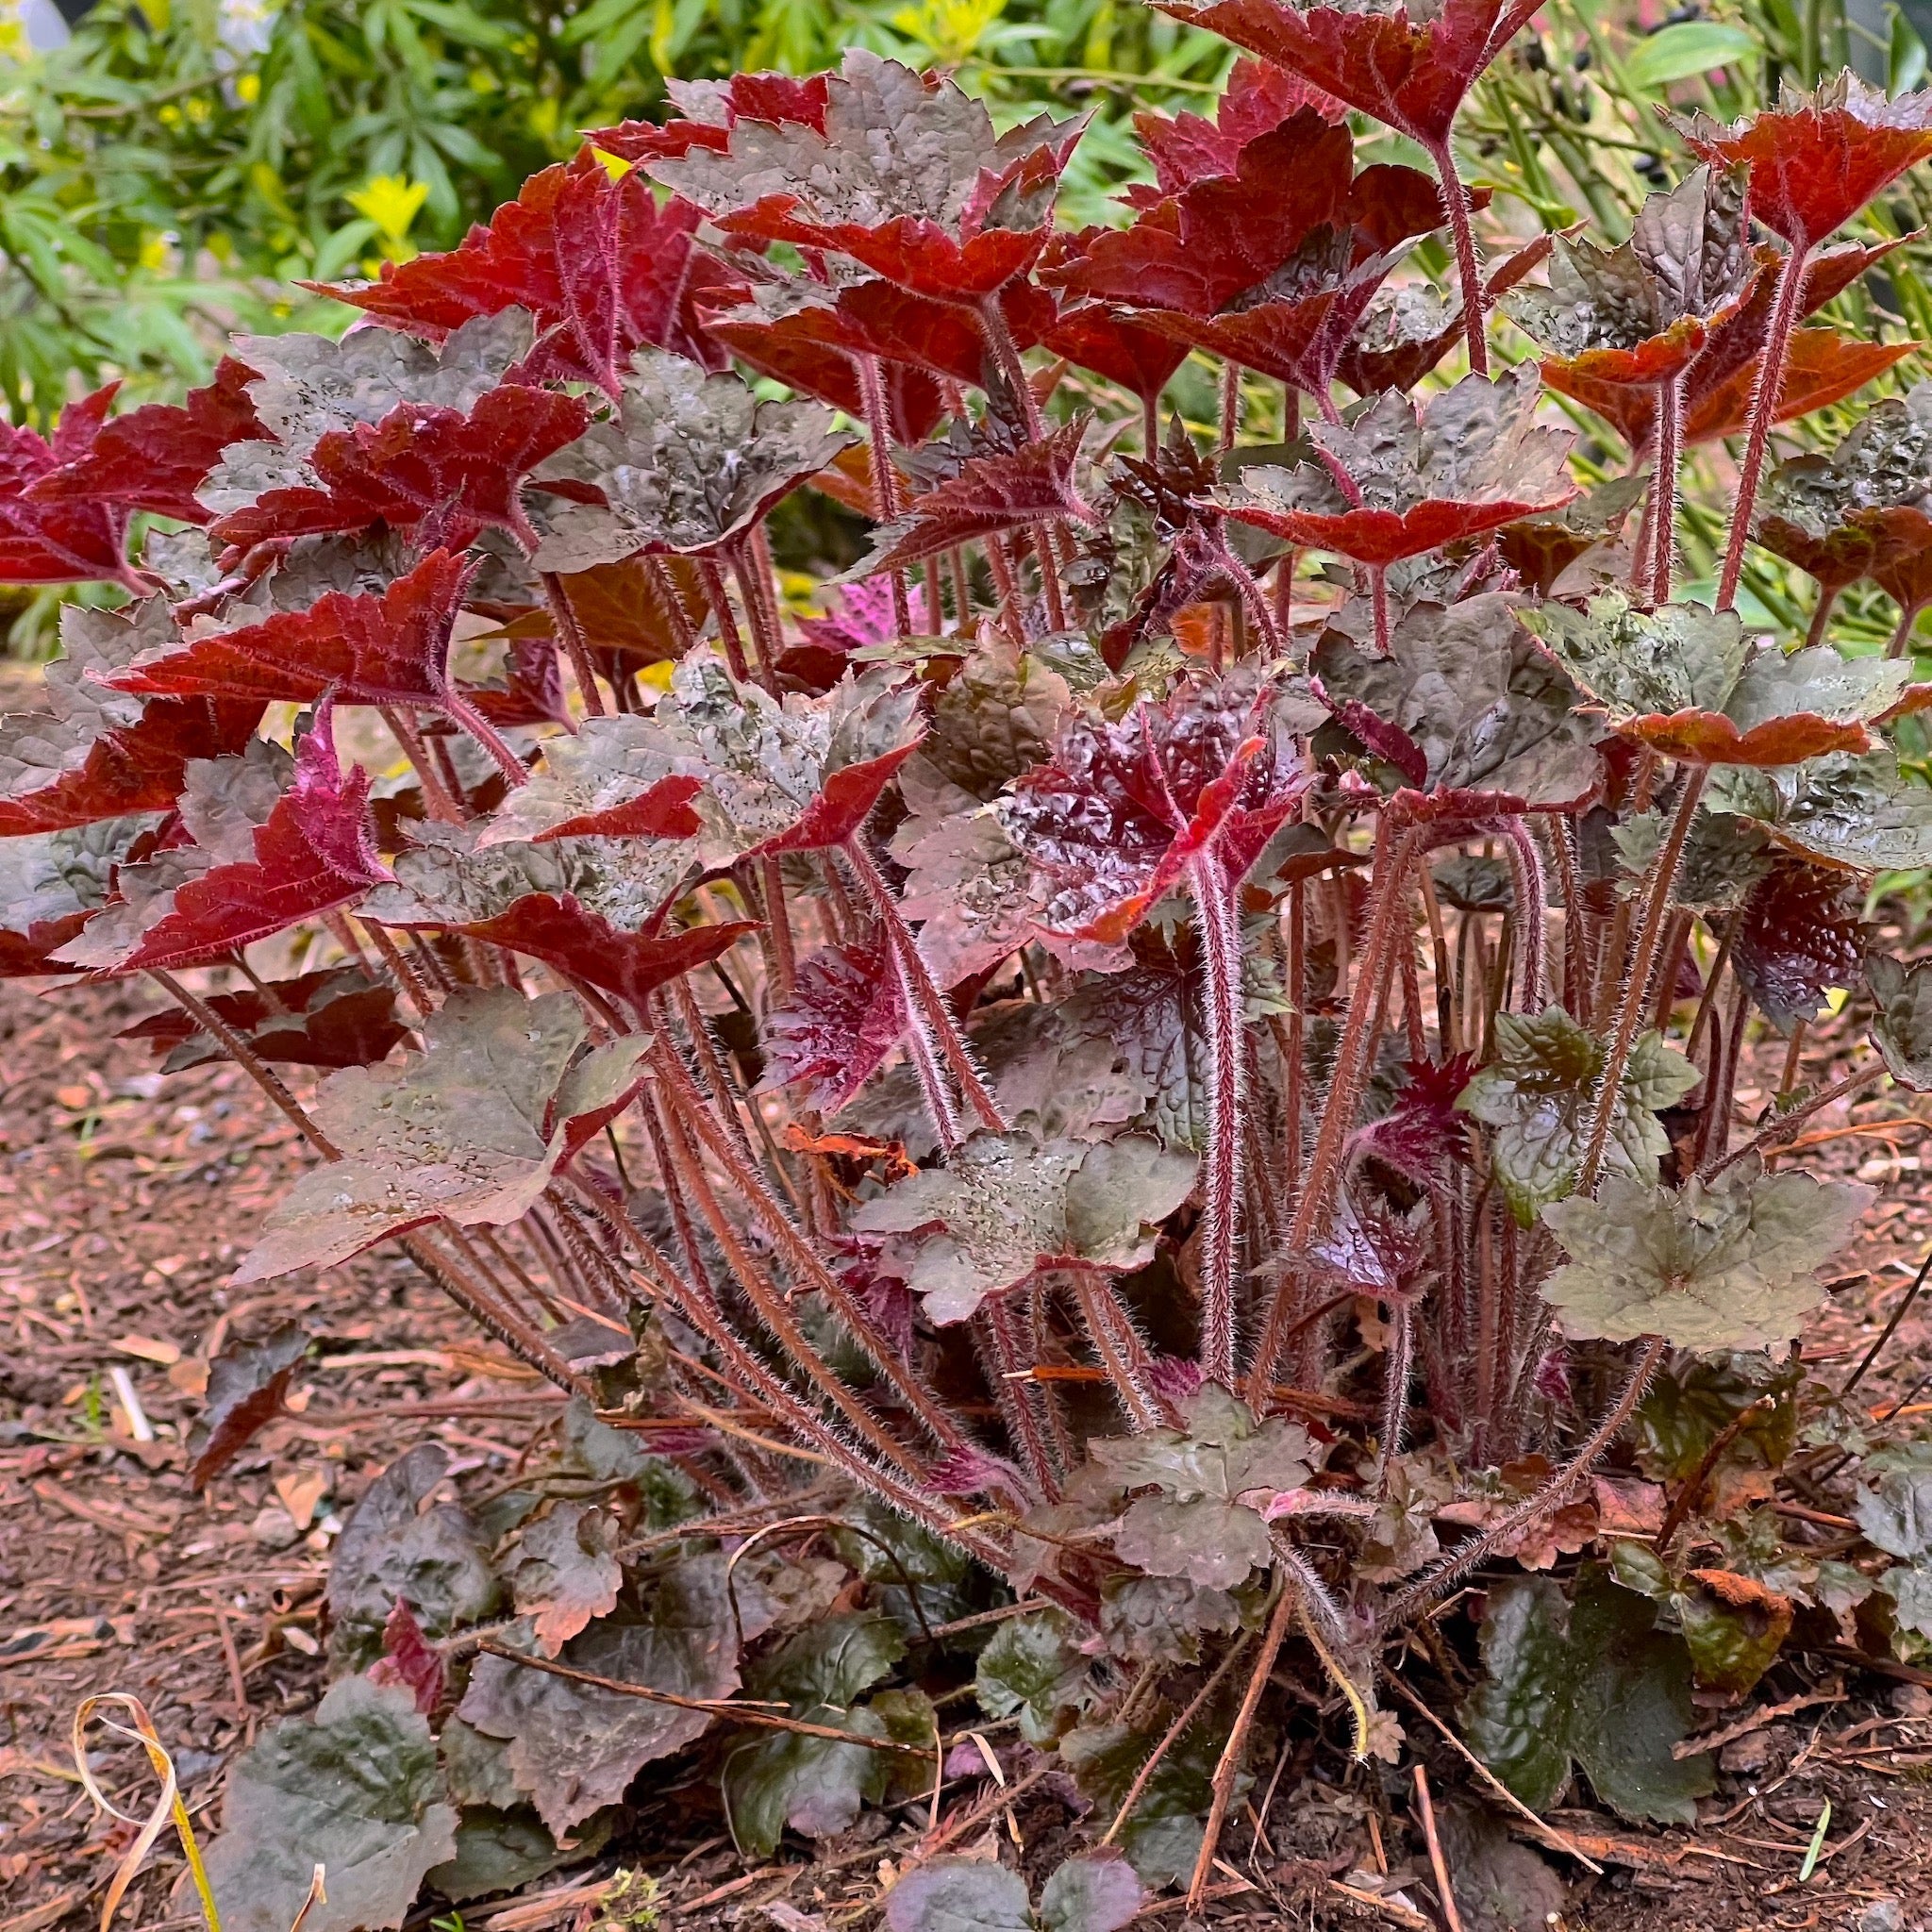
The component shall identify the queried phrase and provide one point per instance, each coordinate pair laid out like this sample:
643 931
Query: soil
126 1199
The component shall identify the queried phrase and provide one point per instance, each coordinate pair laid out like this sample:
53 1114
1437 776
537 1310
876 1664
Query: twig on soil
1438 1864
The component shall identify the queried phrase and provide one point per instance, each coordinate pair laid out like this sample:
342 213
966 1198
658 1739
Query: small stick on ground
1438 1864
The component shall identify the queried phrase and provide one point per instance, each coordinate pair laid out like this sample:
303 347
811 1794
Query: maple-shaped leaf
52 883
386 649
1471 459
471 1130
1728 1263
1798 936
448 475
1093 335
708 110
1257 99
806 347
1407 331
1817 157
73 539
1814 510
1422 1133
1125 809
447 877
989 493
354 1790
335 1018
529 691
611 780
157 457
907 176
687 462
1540 1096
1864 814
1683 680
567 1574
846 1016
600 265
1407 67
1218 236
1005 1207
1212 1480
1635 315
1542 549
577 940
1902 1019
1465 701
312 854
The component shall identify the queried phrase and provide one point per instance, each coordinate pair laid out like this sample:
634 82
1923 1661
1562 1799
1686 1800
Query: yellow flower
392 202
949 29
249 89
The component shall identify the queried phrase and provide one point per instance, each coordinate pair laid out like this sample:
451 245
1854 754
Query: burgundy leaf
845 801
846 1016
391 649
532 688
246 1383
601 266
1799 936
335 1018
448 474
409 1658
710 109
312 854
1422 1133
1113 822
563 933
1259 97
1406 69
907 176
989 495
73 539
156 458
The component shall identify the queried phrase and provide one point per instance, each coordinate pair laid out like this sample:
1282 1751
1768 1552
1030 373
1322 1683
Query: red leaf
662 812
335 1018
1114 346
1824 368
1410 73
1422 1133
990 494
803 351
1819 156
87 755
391 649
313 855
157 457
1198 249
631 966
1709 738
975 207
846 1016
66 541
1257 99
711 109
844 802
600 265
409 1658
532 689
452 473
1113 822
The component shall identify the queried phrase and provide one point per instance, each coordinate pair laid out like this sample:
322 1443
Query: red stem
1468 268
885 483
1764 401
1663 486
571 637
1218 916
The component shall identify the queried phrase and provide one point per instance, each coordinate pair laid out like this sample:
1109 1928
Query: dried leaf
246 1383
568 1573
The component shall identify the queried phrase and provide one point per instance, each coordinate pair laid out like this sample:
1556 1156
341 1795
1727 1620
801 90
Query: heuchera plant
1122 1105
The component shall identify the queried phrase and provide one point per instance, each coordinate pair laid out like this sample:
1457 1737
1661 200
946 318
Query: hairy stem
1821 614
885 482
1468 268
1218 917
765 637
1765 394
1430 1587
1663 486
1630 1009
569 634
719 598
1122 1353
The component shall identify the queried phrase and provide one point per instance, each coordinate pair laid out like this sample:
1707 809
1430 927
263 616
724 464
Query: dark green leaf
1033 1668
